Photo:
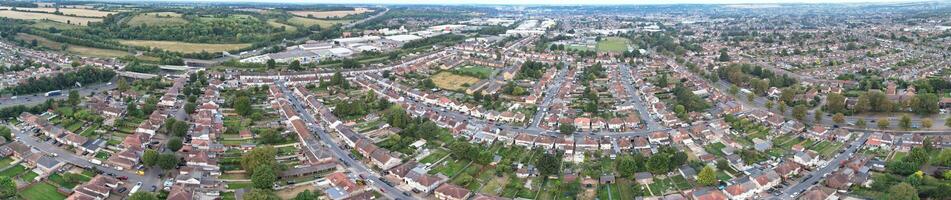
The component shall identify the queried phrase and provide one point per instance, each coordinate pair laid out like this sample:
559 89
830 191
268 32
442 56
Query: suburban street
549 95
356 166
829 167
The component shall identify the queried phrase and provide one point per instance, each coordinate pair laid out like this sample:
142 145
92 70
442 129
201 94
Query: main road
38 98
356 166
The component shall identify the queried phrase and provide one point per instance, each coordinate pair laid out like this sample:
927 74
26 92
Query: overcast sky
554 2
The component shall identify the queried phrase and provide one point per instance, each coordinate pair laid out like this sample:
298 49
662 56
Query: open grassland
300 21
80 12
38 16
157 19
276 24
184 47
47 24
76 49
449 81
329 14
613 44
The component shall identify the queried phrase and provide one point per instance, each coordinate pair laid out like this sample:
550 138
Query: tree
6 133
769 105
150 157
122 85
658 164
242 105
180 129
190 107
883 123
835 103
170 125
73 98
174 144
263 177
143 196
733 89
271 64
838 118
549 164
707 176
307 195
818 116
902 191
781 106
167 161
7 187
799 112
947 122
904 122
724 56
260 194
861 123
566 129
295 65
926 123
261 156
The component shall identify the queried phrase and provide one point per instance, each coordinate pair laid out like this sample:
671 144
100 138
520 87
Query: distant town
265 101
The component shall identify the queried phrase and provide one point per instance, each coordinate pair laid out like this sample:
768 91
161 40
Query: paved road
150 179
829 167
356 166
550 94
38 98
635 100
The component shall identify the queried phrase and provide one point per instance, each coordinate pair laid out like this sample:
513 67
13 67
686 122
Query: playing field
157 18
60 18
67 11
613 44
300 21
184 47
449 81
329 14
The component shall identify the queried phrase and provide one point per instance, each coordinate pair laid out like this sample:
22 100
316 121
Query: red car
123 178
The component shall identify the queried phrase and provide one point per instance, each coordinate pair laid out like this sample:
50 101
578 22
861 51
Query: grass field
67 11
449 81
157 18
76 49
300 21
434 156
39 16
47 24
5 162
276 24
29 176
42 191
477 71
613 44
328 14
184 47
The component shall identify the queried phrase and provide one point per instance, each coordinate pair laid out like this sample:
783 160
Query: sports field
613 44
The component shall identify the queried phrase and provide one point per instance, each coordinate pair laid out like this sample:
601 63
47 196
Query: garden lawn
238 185
609 192
13 171
29 176
434 156
660 186
42 191
5 162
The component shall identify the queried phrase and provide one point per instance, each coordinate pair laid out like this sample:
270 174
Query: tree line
85 75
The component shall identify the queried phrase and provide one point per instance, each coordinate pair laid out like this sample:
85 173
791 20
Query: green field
5 162
42 191
613 45
29 176
156 19
477 71
306 22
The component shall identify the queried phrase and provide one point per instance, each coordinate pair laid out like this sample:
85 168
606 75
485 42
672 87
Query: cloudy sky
552 2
